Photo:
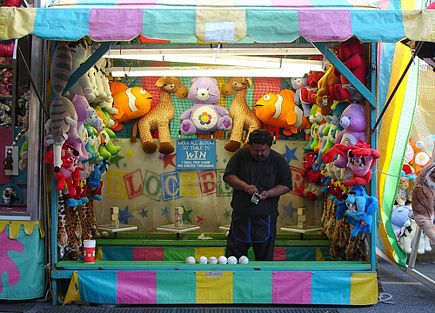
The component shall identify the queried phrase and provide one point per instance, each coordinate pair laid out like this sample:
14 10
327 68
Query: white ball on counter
203 260
232 260
212 260
190 260
243 260
222 260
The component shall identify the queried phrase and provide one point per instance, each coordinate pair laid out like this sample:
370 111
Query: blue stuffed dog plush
359 209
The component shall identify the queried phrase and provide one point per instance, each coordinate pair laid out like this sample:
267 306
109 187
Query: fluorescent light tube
131 53
217 71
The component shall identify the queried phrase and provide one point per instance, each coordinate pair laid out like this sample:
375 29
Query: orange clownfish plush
279 110
131 103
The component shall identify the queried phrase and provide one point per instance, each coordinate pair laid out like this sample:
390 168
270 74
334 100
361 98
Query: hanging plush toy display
279 110
352 54
80 52
206 115
243 117
297 83
354 123
309 91
161 116
324 97
359 209
63 116
359 158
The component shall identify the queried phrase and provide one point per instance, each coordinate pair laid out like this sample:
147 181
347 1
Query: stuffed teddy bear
160 117
400 218
353 121
243 117
206 115
352 54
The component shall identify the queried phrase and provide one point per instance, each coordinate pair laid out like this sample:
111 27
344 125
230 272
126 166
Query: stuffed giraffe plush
161 116
243 117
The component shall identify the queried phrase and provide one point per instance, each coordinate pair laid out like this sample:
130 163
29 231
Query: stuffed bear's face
204 90
297 82
202 94
353 118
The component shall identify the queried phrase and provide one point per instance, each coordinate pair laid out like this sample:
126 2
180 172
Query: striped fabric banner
393 137
206 287
190 25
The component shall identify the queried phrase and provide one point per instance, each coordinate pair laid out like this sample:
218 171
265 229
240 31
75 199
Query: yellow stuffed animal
243 117
324 86
161 116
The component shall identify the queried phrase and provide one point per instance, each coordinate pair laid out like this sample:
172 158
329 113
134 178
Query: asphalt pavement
398 292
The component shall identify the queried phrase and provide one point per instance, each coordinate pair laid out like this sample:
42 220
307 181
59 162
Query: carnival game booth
171 207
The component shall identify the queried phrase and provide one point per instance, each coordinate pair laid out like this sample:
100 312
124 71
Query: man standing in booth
259 176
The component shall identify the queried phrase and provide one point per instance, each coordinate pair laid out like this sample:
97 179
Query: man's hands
251 189
239 184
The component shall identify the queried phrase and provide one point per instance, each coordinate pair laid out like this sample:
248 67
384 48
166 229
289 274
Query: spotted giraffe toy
243 117
161 116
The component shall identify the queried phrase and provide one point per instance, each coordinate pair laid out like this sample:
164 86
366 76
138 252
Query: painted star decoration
200 219
168 159
124 215
290 154
165 212
289 209
186 215
143 212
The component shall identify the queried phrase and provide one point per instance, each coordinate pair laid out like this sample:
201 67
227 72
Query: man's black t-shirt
263 174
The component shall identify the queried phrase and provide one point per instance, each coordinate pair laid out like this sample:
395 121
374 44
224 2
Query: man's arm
239 184
276 191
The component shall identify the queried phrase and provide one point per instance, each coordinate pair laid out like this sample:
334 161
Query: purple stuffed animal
205 116
353 121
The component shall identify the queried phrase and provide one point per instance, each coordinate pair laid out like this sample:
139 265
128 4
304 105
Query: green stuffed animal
107 148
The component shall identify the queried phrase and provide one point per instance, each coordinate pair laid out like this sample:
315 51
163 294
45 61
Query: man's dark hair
261 137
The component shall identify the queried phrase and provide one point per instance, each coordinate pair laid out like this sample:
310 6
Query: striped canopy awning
267 21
